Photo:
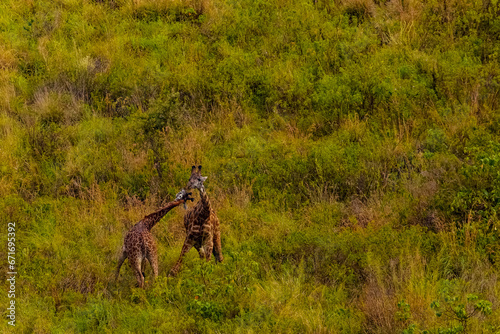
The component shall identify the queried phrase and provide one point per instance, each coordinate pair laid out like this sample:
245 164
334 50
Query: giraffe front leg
188 244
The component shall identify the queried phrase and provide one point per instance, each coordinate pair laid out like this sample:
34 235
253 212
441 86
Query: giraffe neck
150 220
204 199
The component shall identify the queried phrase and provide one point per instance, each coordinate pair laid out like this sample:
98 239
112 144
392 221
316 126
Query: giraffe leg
200 250
208 243
135 264
143 268
217 247
152 256
153 260
209 246
123 256
140 279
188 244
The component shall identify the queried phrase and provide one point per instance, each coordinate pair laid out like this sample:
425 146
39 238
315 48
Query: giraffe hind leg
217 247
152 256
208 243
209 246
201 251
140 279
135 264
122 258
143 268
153 261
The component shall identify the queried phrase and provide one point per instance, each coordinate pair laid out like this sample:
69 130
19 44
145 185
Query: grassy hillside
352 149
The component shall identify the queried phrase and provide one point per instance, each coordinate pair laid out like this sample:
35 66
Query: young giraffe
202 225
140 245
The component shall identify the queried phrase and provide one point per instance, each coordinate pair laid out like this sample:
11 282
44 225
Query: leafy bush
351 149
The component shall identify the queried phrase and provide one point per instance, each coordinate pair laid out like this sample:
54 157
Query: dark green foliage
351 148
456 310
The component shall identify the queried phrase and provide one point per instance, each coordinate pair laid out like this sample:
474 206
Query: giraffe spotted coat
139 244
201 224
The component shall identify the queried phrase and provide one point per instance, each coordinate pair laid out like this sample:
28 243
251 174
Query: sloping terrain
352 149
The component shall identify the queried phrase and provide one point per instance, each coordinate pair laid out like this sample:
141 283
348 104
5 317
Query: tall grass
351 149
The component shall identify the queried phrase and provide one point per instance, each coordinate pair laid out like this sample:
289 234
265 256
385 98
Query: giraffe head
183 195
196 180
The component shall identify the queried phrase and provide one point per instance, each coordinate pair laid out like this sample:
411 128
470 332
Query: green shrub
351 149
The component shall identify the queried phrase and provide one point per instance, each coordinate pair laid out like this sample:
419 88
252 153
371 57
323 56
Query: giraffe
140 245
202 225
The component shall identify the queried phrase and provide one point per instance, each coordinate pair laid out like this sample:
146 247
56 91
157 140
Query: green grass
351 148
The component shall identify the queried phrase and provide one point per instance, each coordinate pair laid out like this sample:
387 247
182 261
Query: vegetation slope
352 149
